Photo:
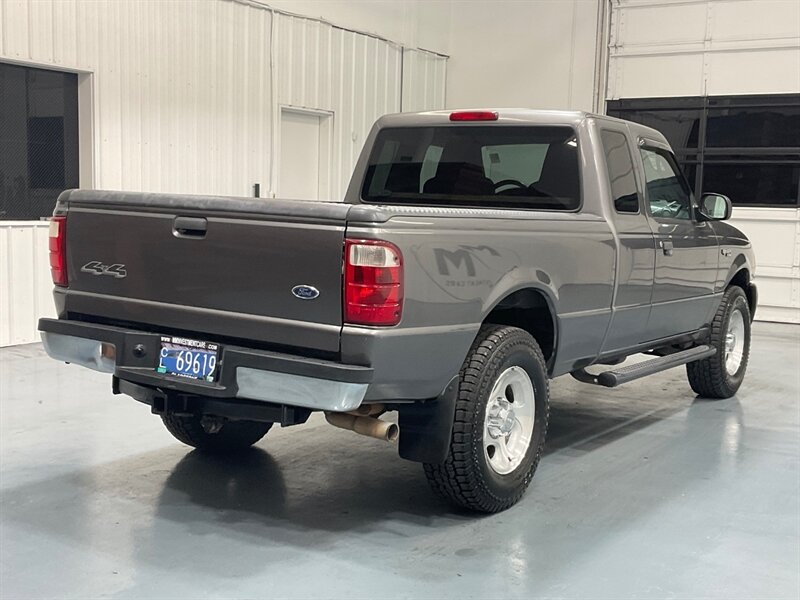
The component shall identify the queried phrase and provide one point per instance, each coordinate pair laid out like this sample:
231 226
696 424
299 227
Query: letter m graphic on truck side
456 258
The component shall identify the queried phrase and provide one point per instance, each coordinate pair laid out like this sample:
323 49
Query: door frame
704 304
88 139
325 158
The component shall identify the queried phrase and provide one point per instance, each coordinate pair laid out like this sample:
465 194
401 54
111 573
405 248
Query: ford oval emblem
305 292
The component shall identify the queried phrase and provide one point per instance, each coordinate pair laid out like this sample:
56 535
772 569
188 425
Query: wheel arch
740 274
532 309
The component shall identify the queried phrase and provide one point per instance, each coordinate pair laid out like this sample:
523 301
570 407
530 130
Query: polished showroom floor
645 492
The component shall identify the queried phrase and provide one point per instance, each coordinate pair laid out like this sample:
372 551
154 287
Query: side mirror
715 207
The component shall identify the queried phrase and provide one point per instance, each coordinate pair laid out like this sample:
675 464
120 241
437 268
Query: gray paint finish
644 492
608 287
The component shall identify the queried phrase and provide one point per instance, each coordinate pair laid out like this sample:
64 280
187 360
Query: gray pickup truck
476 255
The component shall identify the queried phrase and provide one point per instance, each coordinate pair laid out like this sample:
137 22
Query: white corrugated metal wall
184 96
424 76
25 285
664 48
355 77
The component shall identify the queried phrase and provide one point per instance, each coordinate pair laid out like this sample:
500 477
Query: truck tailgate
227 267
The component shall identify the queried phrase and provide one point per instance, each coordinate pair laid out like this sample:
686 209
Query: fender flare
740 263
535 280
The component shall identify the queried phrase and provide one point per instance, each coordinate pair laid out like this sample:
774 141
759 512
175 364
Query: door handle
194 227
667 246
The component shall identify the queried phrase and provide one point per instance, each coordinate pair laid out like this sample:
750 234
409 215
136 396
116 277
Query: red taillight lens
373 282
58 250
474 115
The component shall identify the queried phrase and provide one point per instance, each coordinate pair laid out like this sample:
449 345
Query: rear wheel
720 376
500 422
214 435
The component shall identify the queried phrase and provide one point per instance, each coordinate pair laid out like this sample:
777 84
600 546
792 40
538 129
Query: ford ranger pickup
476 255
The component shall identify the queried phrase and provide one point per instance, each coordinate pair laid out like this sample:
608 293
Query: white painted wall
424 80
529 54
25 284
412 23
703 47
720 47
186 95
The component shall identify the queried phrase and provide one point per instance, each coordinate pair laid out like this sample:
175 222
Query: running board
643 369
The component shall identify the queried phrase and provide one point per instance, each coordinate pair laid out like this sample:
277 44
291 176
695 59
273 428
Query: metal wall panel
323 68
424 75
184 96
775 233
353 77
25 284
667 48
703 47
181 89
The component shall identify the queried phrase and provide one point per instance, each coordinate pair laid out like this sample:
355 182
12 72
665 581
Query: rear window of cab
532 167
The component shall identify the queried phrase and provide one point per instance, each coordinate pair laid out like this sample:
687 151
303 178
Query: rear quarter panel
459 264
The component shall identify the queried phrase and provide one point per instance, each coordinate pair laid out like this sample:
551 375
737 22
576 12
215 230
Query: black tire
232 436
466 478
708 377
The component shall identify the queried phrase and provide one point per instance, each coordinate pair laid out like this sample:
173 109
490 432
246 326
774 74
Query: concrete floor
645 492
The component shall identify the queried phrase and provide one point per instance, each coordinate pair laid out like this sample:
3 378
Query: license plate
188 358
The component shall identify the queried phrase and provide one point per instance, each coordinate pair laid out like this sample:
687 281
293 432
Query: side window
619 165
667 192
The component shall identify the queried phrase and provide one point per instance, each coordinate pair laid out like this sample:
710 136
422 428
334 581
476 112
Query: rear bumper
245 373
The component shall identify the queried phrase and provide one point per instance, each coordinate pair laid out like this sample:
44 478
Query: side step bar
643 369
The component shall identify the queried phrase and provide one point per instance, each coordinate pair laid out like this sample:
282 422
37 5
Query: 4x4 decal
95 267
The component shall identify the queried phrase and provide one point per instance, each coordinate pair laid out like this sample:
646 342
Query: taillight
373 282
474 115
58 250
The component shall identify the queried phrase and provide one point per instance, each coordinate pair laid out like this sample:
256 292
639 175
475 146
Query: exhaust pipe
369 426
369 410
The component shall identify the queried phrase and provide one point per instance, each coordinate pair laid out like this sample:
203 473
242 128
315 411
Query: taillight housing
58 251
373 283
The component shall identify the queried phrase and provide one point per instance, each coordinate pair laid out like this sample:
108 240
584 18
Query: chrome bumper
246 374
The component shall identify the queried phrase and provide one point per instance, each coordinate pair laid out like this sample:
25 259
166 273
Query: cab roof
510 116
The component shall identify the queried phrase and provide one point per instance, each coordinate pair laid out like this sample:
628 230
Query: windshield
488 166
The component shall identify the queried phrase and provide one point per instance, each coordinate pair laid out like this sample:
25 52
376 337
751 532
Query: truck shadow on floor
315 488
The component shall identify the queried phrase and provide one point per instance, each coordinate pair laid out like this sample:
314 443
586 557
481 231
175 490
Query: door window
668 194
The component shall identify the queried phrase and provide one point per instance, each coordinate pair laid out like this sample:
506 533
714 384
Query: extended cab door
687 251
636 248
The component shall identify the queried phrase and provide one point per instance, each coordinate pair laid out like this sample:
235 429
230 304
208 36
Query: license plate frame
195 360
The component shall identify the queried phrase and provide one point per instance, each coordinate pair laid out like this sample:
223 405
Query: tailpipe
369 426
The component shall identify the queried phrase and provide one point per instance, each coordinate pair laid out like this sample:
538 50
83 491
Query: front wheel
500 422
720 376
212 435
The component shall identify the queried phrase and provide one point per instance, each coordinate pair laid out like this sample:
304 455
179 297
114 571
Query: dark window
667 193
746 147
475 165
753 183
680 127
38 139
619 165
748 127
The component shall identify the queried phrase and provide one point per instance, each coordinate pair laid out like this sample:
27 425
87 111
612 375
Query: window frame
37 202
581 190
670 157
640 198
704 155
